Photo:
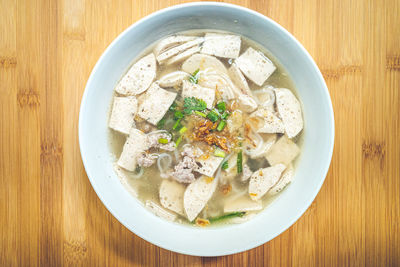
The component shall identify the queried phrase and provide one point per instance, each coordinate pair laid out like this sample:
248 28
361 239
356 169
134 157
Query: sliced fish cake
255 66
202 62
283 151
197 194
270 122
123 113
194 90
262 180
221 45
171 42
243 203
133 147
139 77
287 177
173 79
290 111
171 196
208 165
160 211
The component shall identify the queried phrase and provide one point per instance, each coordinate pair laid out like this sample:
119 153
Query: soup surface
205 128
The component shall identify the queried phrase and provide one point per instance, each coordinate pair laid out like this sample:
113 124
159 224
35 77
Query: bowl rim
285 32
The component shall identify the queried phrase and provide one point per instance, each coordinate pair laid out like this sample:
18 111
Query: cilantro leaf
192 103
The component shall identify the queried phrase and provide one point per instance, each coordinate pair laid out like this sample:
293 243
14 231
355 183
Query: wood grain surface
49 213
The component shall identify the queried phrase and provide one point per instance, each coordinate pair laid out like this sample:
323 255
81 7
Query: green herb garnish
183 130
192 103
178 141
221 106
221 126
178 115
194 77
225 115
162 140
227 216
239 162
213 116
219 153
176 125
173 107
225 165
161 123
200 113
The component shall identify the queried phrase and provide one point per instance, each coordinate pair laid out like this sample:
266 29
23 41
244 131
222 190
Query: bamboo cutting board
50 215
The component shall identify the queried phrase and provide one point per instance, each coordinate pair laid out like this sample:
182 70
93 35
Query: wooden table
49 213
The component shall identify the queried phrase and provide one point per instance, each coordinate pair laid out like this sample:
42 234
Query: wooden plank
50 215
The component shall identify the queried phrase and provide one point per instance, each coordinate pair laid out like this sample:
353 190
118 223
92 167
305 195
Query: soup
205 128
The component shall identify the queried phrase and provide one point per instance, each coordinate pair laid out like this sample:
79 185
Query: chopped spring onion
221 106
183 130
162 140
221 126
227 216
225 115
178 115
194 78
178 141
239 162
213 116
177 123
219 153
161 123
200 113
225 165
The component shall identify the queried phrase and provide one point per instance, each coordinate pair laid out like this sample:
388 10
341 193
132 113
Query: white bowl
318 134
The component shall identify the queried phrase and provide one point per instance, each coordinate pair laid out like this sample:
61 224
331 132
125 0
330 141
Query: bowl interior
312 166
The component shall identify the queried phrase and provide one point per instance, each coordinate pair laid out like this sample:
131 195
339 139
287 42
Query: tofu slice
164 56
255 66
283 151
173 79
134 145
221 45
290 111
271 123
139 77
194 90
243 203
155 104
287 177
197 195
202 62
170 42
262 180
238 79
220 82
208 165
123 113
171 196
160 211
184 55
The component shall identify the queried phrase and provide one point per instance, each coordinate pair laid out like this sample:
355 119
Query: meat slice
122 114
133 147
283 151
173 79
255 66
171 196
287 177
153 137
197 194
146 159
171 41
161 58
290 111
202 62
270 122
155 103
243 203
193 90
221 45
139 77
262 180
208 165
